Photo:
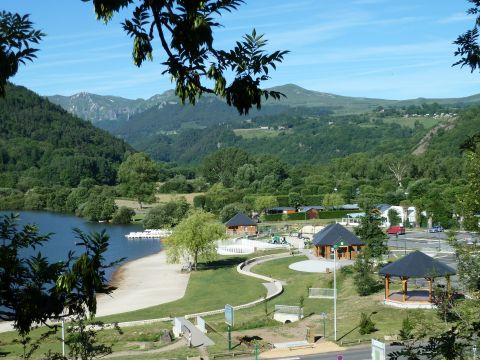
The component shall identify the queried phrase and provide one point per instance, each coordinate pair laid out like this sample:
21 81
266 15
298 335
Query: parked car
435 229
394 230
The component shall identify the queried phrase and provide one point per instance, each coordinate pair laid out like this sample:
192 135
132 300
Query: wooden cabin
348 244
241 224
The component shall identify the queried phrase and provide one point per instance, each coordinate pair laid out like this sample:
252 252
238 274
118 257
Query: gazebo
241 224
333 234
414 265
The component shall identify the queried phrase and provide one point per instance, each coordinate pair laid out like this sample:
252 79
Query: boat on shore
149 234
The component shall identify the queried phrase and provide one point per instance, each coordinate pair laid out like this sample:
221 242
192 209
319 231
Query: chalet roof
349 207
417 265
334 233
281 208
240 220
307 208
383 207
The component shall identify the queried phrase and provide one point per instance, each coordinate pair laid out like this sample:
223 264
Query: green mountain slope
97 108
42 144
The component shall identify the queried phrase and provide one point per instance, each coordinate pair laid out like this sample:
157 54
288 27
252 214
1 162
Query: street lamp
335 247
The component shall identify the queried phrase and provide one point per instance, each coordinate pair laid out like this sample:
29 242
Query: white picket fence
244 246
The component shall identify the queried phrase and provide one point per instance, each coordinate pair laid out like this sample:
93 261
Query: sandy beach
142 283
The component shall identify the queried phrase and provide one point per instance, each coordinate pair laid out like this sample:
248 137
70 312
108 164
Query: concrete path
318 265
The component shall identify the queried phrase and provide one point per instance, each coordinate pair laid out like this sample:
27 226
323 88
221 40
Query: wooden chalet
311 212
241 224
349 245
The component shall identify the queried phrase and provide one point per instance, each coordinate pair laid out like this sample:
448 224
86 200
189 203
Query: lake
63 239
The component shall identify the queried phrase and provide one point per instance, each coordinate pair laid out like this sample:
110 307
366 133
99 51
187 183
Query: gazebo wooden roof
415 265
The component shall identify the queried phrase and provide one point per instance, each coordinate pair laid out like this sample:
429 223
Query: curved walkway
274 288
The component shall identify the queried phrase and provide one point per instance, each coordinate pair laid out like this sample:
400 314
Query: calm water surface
63 239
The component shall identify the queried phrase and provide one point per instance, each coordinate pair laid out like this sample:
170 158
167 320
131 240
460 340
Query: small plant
406 332
366 325
301 301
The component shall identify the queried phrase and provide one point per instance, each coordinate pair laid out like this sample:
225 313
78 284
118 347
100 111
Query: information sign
378 350
229 318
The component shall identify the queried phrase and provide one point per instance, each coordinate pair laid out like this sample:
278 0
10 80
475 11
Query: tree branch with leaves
184 30
17 36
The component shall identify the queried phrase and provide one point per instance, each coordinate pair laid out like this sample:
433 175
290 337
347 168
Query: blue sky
369 48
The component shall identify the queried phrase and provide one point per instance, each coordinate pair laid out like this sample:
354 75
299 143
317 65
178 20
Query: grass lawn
208 289
349 306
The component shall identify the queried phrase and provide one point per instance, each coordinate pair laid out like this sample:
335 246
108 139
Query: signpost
378 350
229 319
324 317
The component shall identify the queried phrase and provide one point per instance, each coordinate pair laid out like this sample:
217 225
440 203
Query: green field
427 122
258 133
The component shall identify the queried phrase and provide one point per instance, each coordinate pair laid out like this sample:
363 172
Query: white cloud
458 17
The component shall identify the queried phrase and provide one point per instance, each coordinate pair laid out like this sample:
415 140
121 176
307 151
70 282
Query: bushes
166 215
123 215
328 215
366 325
365 283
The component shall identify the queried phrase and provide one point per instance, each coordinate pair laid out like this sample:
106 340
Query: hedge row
336 214
308 200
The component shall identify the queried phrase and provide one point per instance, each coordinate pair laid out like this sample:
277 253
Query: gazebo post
387 286
404 288
429 290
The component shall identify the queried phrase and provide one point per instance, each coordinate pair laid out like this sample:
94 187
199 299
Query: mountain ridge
96 108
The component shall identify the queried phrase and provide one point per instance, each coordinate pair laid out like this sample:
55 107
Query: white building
409 215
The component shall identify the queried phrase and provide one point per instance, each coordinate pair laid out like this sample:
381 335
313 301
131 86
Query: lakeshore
142 283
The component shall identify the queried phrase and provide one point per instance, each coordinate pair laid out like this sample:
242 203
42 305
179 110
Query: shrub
366 325
365 283
406 332
123 215
199 201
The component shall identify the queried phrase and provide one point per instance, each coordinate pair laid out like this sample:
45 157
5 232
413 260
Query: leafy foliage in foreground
17 35
191 59
33 290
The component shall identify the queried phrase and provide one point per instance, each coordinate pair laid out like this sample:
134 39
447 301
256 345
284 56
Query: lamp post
335 247
335 292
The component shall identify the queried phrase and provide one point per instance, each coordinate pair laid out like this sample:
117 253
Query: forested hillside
304 135
42 144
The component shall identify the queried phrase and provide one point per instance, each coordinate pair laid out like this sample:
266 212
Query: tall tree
393 217
185 31
17 35
264 202
222 165
137 176
195 237
332 200
371 233
471 201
